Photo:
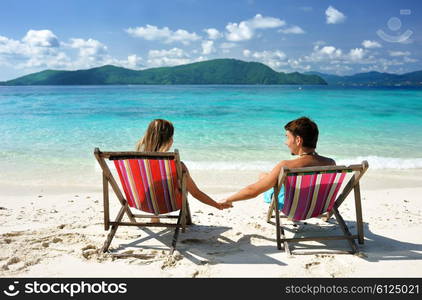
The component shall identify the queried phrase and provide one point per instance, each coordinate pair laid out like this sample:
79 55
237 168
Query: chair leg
345 230
358 207
113 230
110 237
278 229
184 217
270 211
176 233
188 215
285 243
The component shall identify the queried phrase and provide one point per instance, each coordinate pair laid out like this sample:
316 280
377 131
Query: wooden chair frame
183 219
353 184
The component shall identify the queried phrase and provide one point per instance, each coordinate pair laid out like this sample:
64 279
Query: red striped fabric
310 195
150 185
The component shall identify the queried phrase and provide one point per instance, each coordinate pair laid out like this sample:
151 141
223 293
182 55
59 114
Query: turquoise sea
48 133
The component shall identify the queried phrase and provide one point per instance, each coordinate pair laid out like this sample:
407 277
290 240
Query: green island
217 71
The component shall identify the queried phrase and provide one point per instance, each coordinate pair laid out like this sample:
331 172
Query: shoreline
212 181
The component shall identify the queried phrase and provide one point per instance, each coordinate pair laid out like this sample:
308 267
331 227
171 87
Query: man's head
301 133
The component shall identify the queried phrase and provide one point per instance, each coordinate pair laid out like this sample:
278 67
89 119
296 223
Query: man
301 139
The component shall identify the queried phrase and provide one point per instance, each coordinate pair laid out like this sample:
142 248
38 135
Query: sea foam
375 162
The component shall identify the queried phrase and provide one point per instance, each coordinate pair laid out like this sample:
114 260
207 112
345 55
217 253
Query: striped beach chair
312 192
152 182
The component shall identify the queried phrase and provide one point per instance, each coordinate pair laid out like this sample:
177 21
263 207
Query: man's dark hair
306 129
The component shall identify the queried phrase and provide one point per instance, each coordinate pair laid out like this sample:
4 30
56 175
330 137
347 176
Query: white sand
58 231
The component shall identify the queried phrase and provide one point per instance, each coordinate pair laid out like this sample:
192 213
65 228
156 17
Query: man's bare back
309 161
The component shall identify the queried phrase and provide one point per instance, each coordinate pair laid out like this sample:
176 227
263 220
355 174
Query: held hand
225 204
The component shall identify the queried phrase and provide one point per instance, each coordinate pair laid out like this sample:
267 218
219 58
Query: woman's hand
223 205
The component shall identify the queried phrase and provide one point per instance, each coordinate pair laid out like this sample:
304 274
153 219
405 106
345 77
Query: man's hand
225 204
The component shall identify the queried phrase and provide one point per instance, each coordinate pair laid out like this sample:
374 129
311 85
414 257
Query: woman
159 138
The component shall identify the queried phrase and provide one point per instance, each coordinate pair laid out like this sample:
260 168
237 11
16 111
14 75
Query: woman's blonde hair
157 138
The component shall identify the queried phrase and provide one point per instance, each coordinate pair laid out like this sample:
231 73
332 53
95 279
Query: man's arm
262 185
200 195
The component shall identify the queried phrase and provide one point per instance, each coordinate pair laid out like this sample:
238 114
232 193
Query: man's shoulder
291 163
328 161
297 163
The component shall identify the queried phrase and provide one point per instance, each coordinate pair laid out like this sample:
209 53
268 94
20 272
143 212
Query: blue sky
337 36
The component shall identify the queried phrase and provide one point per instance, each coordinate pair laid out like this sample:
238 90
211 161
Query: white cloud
292 30
269 54
172 57
246 52
356 54
213 33
59 60
10 46
239 32
399 53
42 49
207 47
333 55
297 64
371 44
89 47
41 38
326 52
245 30
274 59
164 34
133 62
91 53
260 22
38 48
174 52
334 16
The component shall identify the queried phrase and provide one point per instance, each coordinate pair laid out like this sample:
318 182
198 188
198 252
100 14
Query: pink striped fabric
310 195
150 185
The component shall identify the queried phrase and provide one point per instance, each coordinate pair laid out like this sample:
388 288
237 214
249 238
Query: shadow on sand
204 244
376 247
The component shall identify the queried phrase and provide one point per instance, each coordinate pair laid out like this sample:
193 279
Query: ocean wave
375 162
230 165
378 162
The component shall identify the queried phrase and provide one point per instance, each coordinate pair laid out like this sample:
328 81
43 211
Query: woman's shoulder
184 168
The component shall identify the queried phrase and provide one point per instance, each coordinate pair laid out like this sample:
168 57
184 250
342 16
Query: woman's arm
200 195
253 190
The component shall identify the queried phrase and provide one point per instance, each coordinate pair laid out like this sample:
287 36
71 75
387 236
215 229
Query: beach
233 89
58 232
51 203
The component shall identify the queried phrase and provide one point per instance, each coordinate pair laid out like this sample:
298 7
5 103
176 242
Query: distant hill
218 71
373 79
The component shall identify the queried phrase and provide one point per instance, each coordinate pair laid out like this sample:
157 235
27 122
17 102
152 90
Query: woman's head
158 137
